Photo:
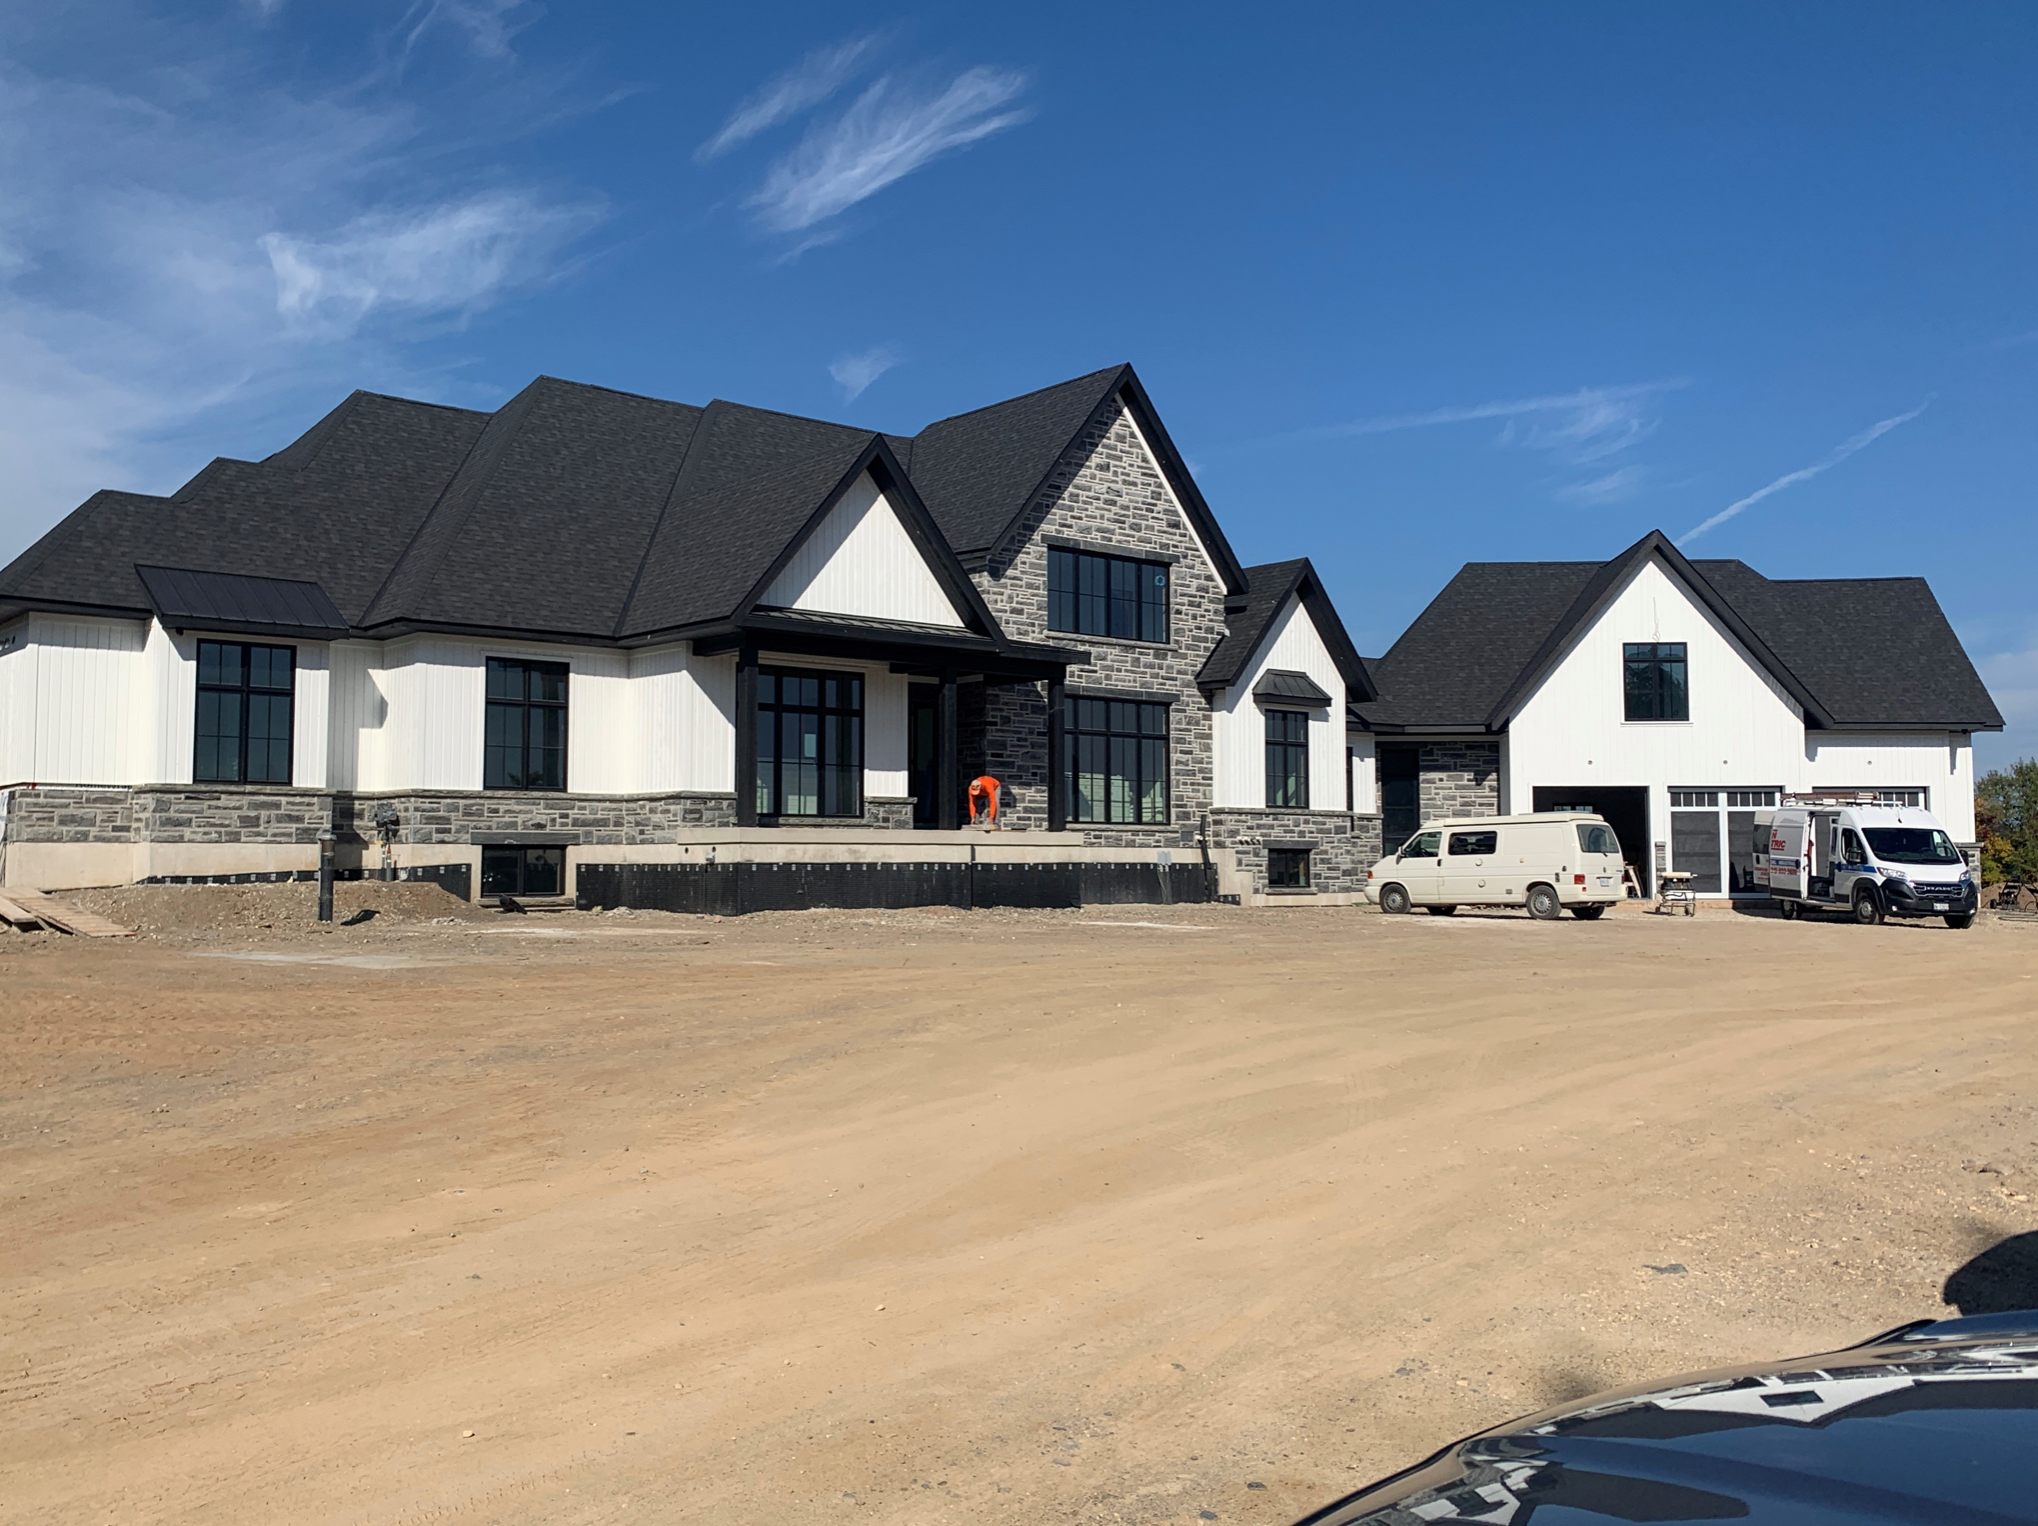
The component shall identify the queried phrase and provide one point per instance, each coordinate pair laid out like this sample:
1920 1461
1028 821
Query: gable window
1654 679
245 704
809 743
1118 761
525 743
1091 595
1287 760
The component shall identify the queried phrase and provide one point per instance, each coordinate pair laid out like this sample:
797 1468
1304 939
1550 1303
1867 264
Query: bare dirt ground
1132 1214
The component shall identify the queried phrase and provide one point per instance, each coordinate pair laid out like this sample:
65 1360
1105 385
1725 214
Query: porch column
947 757
1057 755
746 736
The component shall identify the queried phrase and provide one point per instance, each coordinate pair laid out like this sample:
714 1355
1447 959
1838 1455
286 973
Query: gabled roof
574 512
1249 619
1498 628
979 471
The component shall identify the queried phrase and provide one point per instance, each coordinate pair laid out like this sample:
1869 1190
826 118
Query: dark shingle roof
1856 653
1248 619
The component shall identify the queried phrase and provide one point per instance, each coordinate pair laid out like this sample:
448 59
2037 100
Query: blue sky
1412 285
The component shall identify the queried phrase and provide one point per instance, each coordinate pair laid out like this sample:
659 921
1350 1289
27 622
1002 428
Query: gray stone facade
449 819
1343 846
213 813
68 815
1459 779
1105 493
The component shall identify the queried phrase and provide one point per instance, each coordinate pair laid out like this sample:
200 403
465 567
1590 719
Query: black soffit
1285 686
244 606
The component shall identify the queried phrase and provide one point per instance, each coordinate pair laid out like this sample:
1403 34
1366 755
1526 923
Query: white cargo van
1868 859
1546 862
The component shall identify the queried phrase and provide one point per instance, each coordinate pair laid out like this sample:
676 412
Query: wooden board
66 918
9 912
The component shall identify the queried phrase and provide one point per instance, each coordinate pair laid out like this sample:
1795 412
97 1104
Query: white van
1546 862
1873 861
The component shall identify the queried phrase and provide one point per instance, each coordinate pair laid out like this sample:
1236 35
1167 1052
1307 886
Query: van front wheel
1393 900
1867 908
1588 913
1960 919
1543 904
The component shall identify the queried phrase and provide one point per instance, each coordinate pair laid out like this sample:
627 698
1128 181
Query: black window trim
1073 729
1285 746
1293 854
1657 655
526 704
1144 564
856 770
244 691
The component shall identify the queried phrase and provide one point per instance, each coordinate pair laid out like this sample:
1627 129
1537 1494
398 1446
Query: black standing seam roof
1859 653
223 601
1279 684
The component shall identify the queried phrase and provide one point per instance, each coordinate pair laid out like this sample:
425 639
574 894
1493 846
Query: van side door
1471 867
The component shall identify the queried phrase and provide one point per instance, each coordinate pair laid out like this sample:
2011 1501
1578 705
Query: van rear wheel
1543 904
1788 909
1393 900
1442 911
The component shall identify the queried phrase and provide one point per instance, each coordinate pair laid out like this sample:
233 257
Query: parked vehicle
1869 860
1547 862
1932 1421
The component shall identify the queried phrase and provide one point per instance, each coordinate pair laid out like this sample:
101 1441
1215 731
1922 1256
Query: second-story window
525 745
1092 595
1653 677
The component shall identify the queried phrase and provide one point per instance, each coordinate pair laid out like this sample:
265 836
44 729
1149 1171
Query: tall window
525 746
1654 677
809 743
1090 595
1287 760
1118 761
244 712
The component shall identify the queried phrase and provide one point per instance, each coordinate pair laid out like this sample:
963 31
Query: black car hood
1933 1422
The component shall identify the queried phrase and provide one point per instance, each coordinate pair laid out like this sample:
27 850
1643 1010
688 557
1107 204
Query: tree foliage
2006 821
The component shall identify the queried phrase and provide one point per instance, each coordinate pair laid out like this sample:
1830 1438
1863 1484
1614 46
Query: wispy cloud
1825 463
892 129
853 373
488 25
454 258
2014 341
806 85
1579 429
195 243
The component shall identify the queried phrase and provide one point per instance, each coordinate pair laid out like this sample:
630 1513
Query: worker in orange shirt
984 788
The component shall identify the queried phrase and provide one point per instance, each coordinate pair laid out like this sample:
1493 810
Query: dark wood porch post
1057 755
746 736
947 757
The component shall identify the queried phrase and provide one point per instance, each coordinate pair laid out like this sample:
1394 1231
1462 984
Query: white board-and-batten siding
1745 731
68 694
860 561
1239 726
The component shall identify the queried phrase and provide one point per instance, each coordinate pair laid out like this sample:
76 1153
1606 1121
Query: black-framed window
809 743
525 744
1287 868
1287 760
509 870
1092 595
246 700
1118 761
1654 679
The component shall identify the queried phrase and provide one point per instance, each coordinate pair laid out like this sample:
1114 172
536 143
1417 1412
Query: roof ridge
1123 365
642 397
798 418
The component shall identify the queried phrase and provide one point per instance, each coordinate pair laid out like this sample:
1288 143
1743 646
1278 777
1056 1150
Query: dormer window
1654 681
1094 595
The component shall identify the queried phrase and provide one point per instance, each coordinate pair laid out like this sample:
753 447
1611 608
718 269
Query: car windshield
1912 845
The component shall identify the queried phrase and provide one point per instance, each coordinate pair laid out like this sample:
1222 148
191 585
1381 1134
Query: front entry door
1400 766
921 750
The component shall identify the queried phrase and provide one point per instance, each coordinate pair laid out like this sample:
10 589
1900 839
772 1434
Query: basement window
1654 681
525 744
246 698
1287 868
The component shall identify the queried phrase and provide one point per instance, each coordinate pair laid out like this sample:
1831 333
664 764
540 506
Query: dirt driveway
1121 1215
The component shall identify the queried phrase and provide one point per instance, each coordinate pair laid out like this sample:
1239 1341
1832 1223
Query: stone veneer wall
1459 779
1105 492
69 815
609 820
177 813
1345 845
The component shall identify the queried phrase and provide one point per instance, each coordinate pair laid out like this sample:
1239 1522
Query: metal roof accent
1284 686
224 601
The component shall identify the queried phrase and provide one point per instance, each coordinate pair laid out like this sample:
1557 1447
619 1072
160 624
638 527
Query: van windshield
1912 845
